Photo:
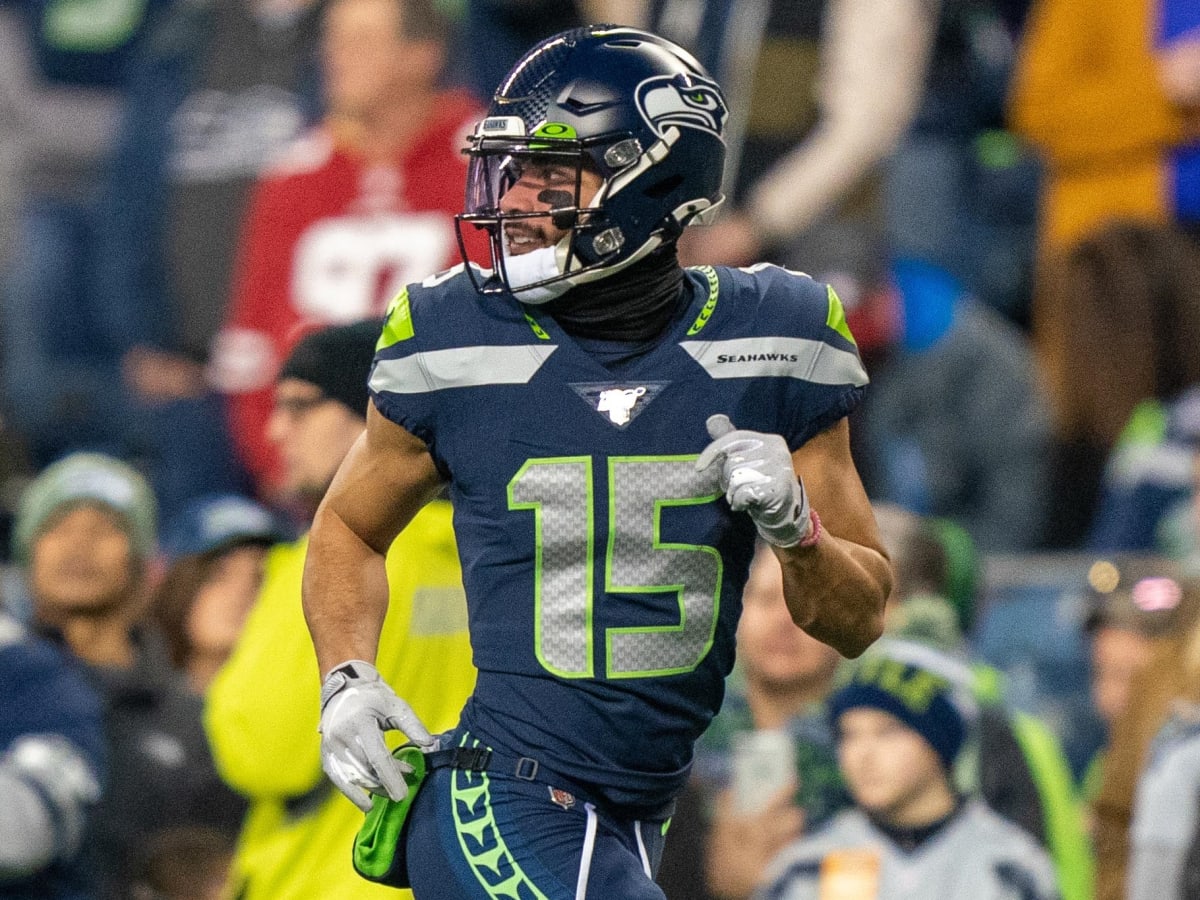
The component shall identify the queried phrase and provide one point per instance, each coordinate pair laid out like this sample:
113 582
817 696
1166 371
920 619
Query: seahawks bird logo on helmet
691 103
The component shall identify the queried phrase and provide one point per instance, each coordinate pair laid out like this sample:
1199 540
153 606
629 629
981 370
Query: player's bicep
835 491
386 478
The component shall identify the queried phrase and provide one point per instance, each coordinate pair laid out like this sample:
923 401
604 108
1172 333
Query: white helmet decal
670 100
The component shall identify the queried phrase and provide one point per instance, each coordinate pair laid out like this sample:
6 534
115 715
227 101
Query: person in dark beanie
900 728
320 409
86 534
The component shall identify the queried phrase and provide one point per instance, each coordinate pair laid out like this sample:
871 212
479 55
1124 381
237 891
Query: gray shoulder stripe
778 357
435 370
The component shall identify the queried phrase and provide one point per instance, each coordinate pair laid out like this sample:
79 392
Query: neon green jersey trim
537 329
481 839
836 318
711 303
399 325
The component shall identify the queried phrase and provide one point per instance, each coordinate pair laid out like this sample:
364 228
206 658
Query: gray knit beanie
87 478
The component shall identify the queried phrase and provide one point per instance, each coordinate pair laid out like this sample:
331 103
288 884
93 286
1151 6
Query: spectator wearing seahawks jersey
51 767
85 535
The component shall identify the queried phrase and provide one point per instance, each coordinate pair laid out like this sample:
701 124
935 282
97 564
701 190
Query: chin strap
530 268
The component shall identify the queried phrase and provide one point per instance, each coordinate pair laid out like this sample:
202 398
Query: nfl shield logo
619 404
562 798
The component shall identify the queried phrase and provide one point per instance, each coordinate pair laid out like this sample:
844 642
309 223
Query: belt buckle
474 759
526 765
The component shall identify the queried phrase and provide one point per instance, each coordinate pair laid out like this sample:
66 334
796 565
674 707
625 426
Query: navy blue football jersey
603 572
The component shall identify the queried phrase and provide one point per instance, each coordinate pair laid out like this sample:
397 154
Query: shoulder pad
447 289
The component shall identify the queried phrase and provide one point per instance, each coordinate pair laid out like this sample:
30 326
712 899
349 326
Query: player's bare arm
836 588
836 574
384 481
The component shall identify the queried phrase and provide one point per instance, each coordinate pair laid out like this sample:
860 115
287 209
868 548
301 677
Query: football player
615 432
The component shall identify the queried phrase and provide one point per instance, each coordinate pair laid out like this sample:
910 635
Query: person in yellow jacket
262 708
1089 94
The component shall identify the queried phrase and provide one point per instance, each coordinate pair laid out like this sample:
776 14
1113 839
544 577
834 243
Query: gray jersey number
560 492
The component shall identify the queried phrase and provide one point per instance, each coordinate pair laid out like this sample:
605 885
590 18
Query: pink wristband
814 534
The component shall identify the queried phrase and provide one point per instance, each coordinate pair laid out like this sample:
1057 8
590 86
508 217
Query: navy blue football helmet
619 102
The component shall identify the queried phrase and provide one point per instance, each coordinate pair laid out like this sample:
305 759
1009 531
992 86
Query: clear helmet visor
527 196
532 171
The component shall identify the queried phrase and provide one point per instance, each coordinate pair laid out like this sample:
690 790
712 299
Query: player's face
312 434
890 770
775 653
541 186
82 564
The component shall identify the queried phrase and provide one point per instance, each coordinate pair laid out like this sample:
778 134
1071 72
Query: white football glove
357 707
755 472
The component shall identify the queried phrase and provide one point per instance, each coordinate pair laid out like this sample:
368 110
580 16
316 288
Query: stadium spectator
1131 601
217 91
910 834
821 93
1116 267
1165 684
357 207
85 533
960 190
1147 495
1081 63
1164 837
215 549
52 759
1163 861
61 86
298 834
1015 763
929 438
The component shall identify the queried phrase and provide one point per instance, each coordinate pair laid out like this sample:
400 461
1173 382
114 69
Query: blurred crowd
206 207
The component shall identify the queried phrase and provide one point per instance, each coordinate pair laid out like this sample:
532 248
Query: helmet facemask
557 171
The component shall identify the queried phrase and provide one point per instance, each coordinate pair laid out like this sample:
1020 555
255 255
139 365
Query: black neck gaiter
635 305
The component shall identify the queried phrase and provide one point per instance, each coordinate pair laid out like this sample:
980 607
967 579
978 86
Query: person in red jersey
358 207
